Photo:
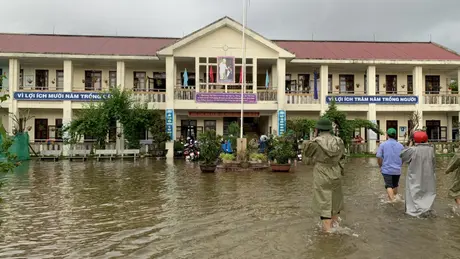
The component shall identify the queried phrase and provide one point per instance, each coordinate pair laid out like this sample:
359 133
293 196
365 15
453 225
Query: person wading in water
454 191
421 177
328 153
389 160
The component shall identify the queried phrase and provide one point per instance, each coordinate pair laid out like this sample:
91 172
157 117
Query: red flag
211 75
241 75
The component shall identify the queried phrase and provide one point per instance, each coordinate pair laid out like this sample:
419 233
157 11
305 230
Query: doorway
393 124
41 129
433 129
189 128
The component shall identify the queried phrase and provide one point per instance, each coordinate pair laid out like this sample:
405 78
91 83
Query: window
139 81
347 83
329 84
377 82
191 80
21 78
112 79
304 83
410 85
288 83
432 84
391 84
41 129
59 80
58 133
41 79
158 82
210 125
93 80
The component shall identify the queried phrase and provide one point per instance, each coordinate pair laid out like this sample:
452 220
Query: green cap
324 124
391 132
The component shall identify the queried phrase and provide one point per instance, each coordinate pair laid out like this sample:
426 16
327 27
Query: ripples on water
156 209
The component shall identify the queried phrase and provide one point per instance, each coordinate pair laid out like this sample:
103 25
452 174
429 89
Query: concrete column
67 105
254 75
13 86
372 112
197 74
324 80
121 74
417 76
281 82
170 82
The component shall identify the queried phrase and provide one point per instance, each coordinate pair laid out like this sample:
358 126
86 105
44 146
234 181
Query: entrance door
41 129
189 128
393 124
391 84
433 129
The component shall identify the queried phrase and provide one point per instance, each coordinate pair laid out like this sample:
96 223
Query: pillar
254 75
67 105
170 81
13 86
324 78
274 77
417 76
120 139
372 112
197 74
281 92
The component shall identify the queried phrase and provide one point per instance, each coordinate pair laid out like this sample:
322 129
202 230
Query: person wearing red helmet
421 176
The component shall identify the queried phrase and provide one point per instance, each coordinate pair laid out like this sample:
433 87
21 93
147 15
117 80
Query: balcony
302 98
441 98
53 87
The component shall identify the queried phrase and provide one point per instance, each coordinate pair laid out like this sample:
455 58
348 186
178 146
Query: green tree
454 87
98 117
345 127
7 160
301 127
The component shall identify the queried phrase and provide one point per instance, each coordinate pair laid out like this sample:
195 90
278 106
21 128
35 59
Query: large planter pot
208 168
280 167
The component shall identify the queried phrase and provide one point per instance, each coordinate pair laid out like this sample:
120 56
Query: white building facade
52 76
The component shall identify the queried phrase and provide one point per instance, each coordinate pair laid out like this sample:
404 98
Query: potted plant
209 151
282 150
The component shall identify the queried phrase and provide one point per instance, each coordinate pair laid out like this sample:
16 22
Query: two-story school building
197 80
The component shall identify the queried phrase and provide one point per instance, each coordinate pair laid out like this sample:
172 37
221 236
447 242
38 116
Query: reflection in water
165 209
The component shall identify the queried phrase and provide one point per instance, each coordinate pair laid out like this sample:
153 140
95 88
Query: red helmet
420 137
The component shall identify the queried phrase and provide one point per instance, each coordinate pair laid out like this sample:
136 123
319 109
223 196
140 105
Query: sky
382 20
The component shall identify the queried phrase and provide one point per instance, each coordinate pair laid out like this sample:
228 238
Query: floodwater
160 209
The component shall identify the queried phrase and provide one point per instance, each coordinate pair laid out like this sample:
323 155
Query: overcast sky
389 20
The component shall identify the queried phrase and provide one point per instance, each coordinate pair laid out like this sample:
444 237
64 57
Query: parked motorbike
299 155
191 152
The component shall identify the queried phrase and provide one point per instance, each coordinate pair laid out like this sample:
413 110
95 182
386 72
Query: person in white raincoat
421 177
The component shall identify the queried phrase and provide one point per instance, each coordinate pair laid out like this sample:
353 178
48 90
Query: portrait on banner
225 70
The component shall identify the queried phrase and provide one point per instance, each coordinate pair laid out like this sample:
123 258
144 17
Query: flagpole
243 83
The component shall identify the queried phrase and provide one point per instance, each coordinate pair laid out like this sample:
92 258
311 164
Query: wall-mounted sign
378 99
225 70
281 122
170 123
223 114
59 96
225 98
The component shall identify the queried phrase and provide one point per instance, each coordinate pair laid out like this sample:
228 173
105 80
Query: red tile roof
368 50
143 46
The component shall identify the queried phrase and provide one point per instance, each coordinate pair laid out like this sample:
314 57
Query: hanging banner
281 122
225 70
60 96
170 123
377 99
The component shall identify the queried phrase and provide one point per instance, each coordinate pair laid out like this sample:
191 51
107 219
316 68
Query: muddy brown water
160 209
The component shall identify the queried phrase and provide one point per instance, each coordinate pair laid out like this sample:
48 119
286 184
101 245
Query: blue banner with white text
377 99
60 96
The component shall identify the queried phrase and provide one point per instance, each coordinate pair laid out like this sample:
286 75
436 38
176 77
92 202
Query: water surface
158 209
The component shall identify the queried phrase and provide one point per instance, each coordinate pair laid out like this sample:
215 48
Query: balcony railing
267 95
184 94
441 98
41 88
302 98
145 97
222 88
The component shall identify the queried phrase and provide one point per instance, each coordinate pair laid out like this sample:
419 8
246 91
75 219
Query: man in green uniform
454 192
327 152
